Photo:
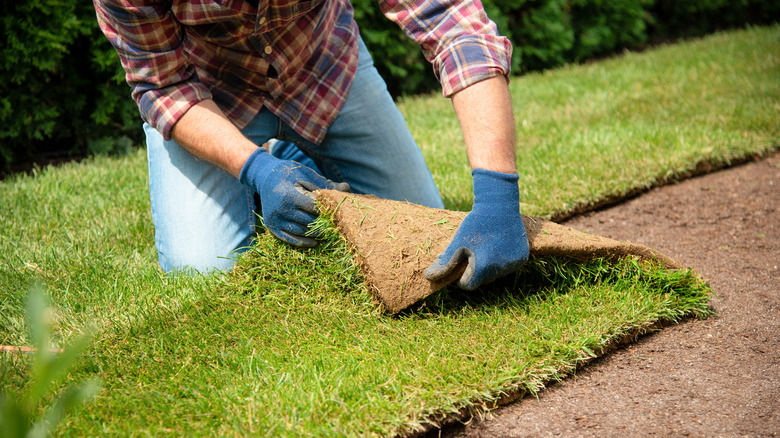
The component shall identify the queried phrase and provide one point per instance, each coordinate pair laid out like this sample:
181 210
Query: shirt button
268 50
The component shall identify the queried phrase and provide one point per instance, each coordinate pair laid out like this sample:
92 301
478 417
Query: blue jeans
203 217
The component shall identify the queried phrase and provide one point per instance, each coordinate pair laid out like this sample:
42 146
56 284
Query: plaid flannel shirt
296 58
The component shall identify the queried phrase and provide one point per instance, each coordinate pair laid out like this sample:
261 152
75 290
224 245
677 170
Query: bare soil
714 377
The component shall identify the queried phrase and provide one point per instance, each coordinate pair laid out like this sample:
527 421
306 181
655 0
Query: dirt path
719 377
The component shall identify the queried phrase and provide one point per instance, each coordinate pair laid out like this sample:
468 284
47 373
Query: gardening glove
286 195
492 237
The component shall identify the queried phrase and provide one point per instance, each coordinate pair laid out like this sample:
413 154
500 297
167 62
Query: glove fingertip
308 242
292 239
309 207
445 264
342 187
435 271
467 280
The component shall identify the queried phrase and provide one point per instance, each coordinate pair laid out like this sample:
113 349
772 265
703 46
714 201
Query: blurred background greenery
63 93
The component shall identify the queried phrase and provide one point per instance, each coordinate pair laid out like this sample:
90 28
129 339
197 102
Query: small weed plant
19 410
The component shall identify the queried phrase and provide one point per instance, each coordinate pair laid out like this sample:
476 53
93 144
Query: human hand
492 237
285 189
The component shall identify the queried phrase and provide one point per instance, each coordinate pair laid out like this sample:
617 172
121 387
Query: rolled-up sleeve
150 44
457 37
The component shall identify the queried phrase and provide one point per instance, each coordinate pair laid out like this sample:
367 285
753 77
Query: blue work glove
491 238
285 188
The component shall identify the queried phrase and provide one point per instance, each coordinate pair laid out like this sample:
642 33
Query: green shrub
541 34
550 33
61 84
62 90
397 58
690 18
603 26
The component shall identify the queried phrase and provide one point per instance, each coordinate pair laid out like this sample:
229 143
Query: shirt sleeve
457 37
150 44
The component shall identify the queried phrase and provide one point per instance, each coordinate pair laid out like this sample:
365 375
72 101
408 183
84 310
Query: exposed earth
714 377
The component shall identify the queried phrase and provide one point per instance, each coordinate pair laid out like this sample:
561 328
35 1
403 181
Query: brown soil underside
718 377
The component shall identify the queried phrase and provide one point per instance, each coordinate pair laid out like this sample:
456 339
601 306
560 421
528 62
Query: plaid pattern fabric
456 36
296 58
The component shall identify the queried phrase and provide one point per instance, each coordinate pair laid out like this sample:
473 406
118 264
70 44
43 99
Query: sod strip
293 345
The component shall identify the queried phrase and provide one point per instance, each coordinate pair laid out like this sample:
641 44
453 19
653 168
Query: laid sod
291 343
603 130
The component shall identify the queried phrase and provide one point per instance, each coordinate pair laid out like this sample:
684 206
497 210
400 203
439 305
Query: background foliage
62 90
550 33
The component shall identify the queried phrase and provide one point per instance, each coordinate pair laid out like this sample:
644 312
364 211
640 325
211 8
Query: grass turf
291 343
586 133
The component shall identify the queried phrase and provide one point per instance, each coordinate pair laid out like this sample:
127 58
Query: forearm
491 240
484 111
208 134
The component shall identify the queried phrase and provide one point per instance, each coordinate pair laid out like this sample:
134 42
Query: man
215 79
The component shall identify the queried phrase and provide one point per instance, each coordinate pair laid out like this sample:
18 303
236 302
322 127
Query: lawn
291 342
